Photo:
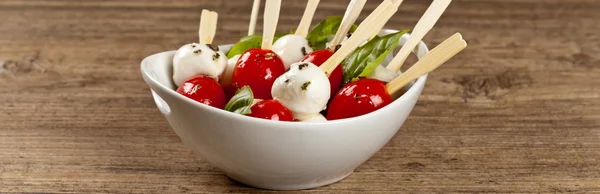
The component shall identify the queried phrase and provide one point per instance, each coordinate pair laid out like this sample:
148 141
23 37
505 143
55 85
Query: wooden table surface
517 111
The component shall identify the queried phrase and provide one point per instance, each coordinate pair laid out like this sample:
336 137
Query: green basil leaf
241 102
324 32
363 61
245 43
249 42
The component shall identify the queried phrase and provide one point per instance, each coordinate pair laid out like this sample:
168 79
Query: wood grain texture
517 111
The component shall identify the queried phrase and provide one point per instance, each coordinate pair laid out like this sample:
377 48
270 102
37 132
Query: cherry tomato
271 110
229 92
258 69
205 90
318 58
358 98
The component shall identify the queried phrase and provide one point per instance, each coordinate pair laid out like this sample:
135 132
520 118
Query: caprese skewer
258 68
196 66
201 58
293 47
368 95
226 79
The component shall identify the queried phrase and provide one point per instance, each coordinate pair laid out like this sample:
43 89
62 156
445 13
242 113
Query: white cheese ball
228 73
197 59
316 118
291 48
383 74
304 90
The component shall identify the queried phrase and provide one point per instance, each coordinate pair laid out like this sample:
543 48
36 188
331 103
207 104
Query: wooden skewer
253 17
204 25
384 5
271 17
309 12
425 24
429 62
214 17
352 13
395 3
363 32
208 26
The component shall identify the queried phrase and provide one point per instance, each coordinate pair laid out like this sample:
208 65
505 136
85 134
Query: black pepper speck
337 47
214 48
305 85
303 65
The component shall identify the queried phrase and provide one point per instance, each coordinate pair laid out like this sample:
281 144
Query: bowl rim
150 80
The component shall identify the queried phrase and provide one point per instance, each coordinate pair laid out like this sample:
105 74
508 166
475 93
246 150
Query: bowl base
289 187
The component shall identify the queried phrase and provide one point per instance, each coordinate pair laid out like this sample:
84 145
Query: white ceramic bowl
277 155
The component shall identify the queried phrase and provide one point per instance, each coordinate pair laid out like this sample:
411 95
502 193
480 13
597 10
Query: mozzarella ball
228 73
291 48
316 118
304 90
383 74
197 59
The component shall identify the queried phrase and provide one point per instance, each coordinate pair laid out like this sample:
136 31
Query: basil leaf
324 31
245 43
363 61
241 102
249 42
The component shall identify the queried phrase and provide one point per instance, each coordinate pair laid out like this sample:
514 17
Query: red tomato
205 90
358 98
229 92
271 110
318 58
258 69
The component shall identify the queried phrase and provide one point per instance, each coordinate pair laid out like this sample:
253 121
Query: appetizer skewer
197 66
367 95
200 58
293 47
226 79
258 68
